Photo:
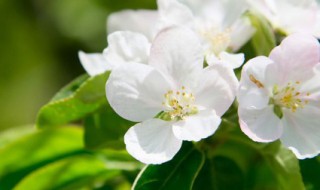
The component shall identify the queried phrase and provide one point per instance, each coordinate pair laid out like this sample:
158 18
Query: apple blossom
129 35
279 96
290 16
173 96
220 24
144 22
124 47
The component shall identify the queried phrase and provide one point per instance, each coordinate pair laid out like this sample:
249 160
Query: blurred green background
39 45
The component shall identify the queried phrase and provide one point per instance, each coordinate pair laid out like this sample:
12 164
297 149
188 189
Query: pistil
179 104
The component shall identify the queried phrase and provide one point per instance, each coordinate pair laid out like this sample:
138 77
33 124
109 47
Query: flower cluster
172 72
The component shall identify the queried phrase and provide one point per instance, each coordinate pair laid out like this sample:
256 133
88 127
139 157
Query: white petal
296 56
94 63
140 21
260 125
152 141
172 12
317 27
300 16
211 58
222 13
312 86
301 131
254 84
126 47
263 7
197 127
197 7
241 32
233 60
136 91
233 10
216 88
177 53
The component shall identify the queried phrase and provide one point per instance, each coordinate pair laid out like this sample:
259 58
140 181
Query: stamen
256 82
178 104
289 97
219 40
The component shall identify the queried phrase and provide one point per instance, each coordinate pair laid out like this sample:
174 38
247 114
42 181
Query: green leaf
310 172
78 99
33 151
14 133
85 171
220 173
264 39
105 129
178 173
236 162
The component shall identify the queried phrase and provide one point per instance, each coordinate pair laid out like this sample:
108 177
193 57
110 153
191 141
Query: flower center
219 40
289 97
178 104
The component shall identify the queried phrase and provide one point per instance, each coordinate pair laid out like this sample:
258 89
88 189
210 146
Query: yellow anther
289 97
256 82
178 105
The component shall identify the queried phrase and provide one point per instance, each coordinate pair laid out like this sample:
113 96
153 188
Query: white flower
290 16
144 22
124 47
279 96
173 96
129 35
220 24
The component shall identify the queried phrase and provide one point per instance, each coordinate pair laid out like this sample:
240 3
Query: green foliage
105 129
54 158
310 172
28 153
12 134
68 174
81 97
179 173
236 162
264 40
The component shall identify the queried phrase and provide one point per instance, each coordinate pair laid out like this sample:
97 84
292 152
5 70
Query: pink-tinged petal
296 56
172 12
94 63
177 53
198 126
140 21
216 88
254 89
317 27
301 131
317 68
311 89
233 60
260 125
136 91
125 47
152 141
